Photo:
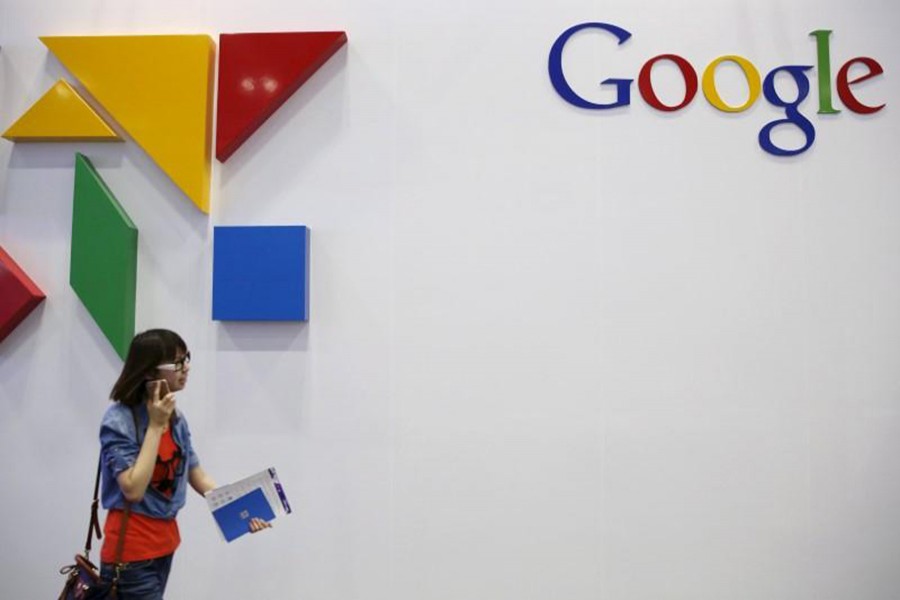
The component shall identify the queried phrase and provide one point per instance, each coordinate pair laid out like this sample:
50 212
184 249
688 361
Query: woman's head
153 354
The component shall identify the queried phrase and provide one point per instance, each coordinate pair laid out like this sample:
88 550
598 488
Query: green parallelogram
103 270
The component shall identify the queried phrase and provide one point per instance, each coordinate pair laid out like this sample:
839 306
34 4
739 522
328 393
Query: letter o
645 83
712 94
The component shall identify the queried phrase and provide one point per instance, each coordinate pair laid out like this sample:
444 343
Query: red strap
94 524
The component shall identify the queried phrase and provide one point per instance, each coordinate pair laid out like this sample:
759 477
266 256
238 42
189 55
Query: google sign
755 84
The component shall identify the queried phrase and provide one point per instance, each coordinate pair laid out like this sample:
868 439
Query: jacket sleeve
192 459
118 441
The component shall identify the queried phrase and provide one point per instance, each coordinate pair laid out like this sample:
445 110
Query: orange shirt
168 462
147 537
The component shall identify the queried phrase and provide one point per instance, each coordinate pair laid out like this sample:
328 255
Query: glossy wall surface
551 353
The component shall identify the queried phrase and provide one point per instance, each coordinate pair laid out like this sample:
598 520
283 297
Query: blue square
234 517
261 273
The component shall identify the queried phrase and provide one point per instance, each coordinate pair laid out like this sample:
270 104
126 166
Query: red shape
18 295
843 84
258 72
645 83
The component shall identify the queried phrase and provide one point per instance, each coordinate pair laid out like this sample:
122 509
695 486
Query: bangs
147 350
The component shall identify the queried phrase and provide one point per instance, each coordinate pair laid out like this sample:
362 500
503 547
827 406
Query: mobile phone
161 383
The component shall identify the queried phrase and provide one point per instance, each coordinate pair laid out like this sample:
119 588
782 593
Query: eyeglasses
177 366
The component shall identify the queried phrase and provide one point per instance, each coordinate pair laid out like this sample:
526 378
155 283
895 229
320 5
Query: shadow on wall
237 336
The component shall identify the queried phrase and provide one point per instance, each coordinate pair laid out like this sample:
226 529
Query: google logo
755 84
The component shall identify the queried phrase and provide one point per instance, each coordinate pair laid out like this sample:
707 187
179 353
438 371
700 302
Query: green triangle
103 270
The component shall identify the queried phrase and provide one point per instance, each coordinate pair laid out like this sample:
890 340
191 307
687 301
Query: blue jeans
140 580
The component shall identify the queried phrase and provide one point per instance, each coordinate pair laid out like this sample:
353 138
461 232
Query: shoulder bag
83 581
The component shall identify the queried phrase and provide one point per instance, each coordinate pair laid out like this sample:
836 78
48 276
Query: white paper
266 480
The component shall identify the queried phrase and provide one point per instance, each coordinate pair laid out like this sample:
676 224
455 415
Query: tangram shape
159 89
18 295
258 72
61 115
104 256
261 273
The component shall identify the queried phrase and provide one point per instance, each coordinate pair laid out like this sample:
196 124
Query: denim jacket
119 449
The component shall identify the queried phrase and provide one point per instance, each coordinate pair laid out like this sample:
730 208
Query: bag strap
94 524
120 545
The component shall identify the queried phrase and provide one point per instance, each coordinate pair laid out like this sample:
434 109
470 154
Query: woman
148 461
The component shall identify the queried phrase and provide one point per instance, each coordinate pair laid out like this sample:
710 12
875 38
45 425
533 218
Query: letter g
558 79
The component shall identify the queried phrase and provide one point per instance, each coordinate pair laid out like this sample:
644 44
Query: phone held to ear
158 384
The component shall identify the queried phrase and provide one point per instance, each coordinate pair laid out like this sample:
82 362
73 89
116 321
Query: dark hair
148 349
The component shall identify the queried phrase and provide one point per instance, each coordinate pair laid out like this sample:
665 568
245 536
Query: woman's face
176 373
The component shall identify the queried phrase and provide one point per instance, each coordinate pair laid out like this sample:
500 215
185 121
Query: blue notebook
234 518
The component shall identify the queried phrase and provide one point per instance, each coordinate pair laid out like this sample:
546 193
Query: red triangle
258 72
18 294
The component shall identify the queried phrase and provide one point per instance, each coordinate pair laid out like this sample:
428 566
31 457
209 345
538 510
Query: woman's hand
257 525
160 403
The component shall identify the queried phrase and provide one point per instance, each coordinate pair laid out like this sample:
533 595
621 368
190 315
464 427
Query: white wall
552 354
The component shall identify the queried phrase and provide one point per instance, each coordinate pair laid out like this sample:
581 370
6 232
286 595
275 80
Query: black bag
83 581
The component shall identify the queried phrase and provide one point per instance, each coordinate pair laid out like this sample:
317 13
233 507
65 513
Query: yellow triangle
159 89
61 115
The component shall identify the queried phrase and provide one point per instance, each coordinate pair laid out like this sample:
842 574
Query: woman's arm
200 480
134 480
